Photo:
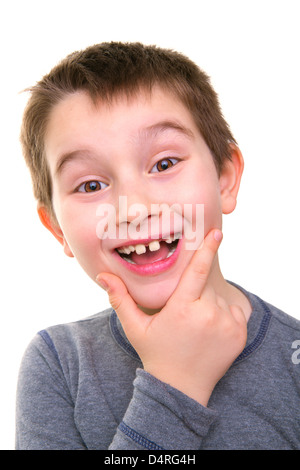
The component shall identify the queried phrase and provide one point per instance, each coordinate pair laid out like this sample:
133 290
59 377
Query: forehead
78 122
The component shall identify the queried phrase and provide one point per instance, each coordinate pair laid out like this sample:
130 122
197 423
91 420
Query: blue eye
164 164
91 187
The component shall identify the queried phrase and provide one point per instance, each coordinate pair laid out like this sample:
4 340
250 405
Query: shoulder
281 334
271 332
92 326
282 319
279 318
68 342
84 334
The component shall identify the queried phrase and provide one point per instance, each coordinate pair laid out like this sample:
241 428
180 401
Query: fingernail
218 235
102 283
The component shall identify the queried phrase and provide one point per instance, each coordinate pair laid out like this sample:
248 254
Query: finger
195 276
221 302
130 316
238 313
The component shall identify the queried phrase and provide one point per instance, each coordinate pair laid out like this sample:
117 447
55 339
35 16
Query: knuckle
239 335
115 302
185 316
211 317
238 314
222 303
229 329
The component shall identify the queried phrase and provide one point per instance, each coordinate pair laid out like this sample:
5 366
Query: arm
160 417
46 411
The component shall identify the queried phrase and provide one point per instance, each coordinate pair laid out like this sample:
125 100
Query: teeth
153 246
173 237
126 250
140 249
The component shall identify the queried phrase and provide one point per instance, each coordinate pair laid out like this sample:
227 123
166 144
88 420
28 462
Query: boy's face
144 151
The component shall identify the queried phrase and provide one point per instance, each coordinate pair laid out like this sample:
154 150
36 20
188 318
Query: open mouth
149 253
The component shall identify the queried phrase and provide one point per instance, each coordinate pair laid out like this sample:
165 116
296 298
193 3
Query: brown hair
106 70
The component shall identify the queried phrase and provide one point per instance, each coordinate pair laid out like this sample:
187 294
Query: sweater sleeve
159 417
44 406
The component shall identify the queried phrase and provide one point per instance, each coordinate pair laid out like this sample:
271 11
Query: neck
231 294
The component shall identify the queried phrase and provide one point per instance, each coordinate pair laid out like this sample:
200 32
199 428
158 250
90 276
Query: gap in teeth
140 248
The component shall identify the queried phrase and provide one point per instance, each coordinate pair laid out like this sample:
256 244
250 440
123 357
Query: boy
126 143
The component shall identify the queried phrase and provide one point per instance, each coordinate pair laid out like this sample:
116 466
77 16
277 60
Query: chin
154 297
150 304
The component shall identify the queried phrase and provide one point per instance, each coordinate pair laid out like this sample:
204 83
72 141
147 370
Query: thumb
130 316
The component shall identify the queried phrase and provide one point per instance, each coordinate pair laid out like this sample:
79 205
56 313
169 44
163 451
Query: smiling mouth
149 253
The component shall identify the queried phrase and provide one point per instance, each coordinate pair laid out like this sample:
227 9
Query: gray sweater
82 386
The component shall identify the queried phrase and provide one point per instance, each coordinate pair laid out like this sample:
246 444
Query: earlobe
52 225
230 180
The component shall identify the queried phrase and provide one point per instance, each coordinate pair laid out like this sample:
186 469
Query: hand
194 339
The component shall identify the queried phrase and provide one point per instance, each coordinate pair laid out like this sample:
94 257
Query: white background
250 48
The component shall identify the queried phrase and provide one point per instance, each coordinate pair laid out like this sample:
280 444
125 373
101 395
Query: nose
133 199
137 207
127 214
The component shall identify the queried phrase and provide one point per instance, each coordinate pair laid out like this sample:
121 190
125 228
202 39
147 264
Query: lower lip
157 267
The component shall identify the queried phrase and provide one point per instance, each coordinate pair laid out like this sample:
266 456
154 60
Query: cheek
204 203
82 241
79 229
212 213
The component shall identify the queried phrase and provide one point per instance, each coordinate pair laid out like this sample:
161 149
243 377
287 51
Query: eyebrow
167 125
147 132
69 157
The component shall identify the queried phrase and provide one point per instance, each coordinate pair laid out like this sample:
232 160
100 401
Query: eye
164 164
91 187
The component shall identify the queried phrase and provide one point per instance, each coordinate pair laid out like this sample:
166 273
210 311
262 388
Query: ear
230 179
52 225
